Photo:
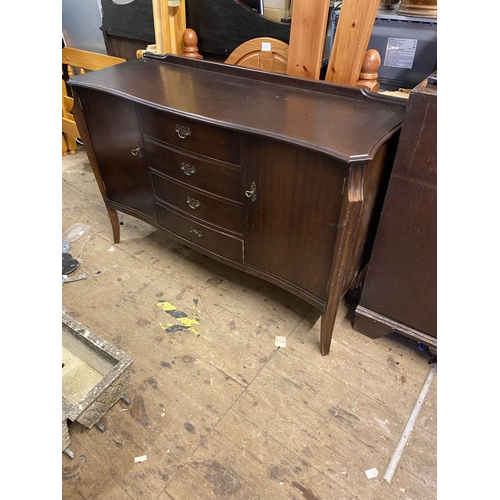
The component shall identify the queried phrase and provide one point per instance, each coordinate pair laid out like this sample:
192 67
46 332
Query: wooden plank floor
218 410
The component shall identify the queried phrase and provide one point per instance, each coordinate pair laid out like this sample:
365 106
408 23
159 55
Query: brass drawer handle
194 204
188 169
182 132
252 194
197 232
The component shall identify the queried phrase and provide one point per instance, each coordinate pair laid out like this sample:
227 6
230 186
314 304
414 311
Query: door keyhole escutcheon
252 193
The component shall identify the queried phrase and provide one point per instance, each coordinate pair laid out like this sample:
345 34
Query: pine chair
78 62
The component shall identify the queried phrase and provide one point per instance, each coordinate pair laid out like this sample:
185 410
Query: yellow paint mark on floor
187 323
165 306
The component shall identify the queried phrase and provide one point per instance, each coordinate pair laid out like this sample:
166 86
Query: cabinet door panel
401 282
293 221
116 135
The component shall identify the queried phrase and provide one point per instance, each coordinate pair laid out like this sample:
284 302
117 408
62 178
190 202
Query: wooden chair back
264 53
270 54
78 62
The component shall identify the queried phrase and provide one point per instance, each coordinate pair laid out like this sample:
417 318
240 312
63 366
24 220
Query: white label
400 52
280 341
266 46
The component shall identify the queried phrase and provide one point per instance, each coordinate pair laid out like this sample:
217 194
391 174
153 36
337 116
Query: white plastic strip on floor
409 426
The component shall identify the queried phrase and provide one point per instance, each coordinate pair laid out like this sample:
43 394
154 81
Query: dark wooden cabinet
399 292
273 175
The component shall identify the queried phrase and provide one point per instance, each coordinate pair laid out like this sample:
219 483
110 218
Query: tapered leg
344 246
115 224
327 324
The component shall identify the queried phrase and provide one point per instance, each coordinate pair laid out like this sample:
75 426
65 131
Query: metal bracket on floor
100 426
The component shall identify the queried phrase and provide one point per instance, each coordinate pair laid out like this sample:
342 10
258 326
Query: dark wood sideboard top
345 122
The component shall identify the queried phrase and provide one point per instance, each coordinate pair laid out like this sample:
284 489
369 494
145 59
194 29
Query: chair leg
72 145
64 146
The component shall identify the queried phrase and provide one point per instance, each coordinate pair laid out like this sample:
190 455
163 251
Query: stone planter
66 441
95 374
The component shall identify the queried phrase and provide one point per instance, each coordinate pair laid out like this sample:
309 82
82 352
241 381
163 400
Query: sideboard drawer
215 177
192 135
201 235
228 216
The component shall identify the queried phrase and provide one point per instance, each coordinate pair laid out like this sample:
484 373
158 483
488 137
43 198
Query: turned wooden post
369 71
190 42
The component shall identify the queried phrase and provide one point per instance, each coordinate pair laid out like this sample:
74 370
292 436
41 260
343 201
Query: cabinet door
116 139
293 205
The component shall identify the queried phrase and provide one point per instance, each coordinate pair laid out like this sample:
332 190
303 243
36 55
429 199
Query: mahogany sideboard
399 291
273 175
